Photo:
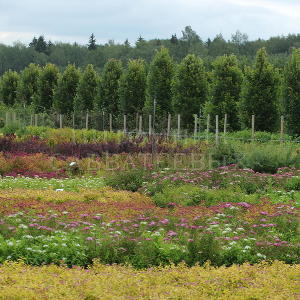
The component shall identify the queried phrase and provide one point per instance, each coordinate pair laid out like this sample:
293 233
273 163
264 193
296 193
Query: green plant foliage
133 87
46 84
190 88
226 88
130 180
260 94
66 90
8 87
87 91
27 90
159 83
291 87
109 97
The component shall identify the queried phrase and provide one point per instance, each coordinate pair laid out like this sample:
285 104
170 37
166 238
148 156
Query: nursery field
108 219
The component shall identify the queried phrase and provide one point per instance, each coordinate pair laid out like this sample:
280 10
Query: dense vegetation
199 80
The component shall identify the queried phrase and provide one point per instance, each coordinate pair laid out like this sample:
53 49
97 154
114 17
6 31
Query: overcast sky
75 20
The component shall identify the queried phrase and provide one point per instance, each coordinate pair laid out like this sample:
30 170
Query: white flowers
73 163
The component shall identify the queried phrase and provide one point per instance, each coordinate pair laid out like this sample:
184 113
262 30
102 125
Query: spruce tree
226 88
92 42
260 94
65 91
46 84
291 98
159 83
109 86
132 89
87 90
190 88
8 87
27 91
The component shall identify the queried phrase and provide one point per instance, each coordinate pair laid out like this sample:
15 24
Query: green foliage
260 94
92 42
109 97
226 88
66 90
27 91
190 88
130 180
292 93
46 84
87 91
8 87
159 83
268 158
132 88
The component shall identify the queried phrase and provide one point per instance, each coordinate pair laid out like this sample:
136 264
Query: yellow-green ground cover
262 281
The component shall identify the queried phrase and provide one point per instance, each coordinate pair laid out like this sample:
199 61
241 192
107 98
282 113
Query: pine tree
65 91
109 86
291 87
226 88
190 88
27 91
46 84
159 82
260 94
8 87
92 42
132 89
87 90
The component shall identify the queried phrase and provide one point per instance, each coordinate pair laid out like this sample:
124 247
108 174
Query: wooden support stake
252 127
140 124
36 120
178 126
6 118
110 123
169 126
217 130
195 125
225 127
60 121
73 120
87 121
281 129
150 124
124 123
14 117
207 126
31 120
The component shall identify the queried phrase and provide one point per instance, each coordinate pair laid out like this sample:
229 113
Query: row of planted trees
163 87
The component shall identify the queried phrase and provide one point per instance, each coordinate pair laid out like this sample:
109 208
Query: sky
75 20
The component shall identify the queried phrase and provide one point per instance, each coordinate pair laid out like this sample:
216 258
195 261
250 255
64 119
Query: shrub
130 180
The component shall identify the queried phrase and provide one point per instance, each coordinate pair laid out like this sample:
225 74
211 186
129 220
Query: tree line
40 51
164 86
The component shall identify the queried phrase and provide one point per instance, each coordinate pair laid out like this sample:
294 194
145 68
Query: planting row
262 281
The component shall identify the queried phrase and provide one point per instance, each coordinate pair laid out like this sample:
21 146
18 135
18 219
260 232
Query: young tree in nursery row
260 94
132 90
190 88
225 90
159 83
109 86
8 87
47 83
27 91
291 87
87 91
66 89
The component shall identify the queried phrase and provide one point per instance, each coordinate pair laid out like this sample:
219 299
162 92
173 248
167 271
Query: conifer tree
46 84
260 94
190 88
87 90
109 86
27 91
159 83
8 87
65 91
291 87
132 89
